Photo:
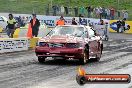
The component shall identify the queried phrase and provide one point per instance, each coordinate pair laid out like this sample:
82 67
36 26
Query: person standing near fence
62 10
89 11
54 10
74 21
108 13
101 22
61 21
76 11
119 24
82 11
33 27
66 10
125 15
123 24
11 26
112 13
100 12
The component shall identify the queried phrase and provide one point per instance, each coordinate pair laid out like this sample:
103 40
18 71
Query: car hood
62 39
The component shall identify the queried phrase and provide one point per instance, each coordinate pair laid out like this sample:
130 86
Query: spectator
89 11
62 10
80 19
66 10
119 24
107 13
61 21
35 25
125 15
96 10
54 10
27 19
76 11
123 24
23 21
11 26
104 14
101 22
82 10
74 21
112 13
84 22
100 12
19 21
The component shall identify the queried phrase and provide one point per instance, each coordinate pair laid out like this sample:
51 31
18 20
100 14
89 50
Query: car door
93 43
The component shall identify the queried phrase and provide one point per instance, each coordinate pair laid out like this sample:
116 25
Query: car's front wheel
84 59
41 59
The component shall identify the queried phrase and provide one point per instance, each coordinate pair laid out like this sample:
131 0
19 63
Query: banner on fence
113 26
12 45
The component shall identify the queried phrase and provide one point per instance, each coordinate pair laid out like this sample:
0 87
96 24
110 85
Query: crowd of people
22 20
88 11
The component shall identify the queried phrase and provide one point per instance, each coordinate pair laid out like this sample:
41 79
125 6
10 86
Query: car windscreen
67 30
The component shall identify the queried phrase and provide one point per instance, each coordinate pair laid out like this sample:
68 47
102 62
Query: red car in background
69 41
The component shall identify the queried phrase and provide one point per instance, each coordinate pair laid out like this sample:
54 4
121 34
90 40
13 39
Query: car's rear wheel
98 56
41 59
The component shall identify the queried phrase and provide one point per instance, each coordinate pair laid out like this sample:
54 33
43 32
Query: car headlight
73 45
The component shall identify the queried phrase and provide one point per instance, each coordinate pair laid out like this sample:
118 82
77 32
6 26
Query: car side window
91 32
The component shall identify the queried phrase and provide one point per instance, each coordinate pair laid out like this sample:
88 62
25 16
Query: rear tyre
41 59
97 59
98 56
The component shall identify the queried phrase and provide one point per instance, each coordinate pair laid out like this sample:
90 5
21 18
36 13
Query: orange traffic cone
29 33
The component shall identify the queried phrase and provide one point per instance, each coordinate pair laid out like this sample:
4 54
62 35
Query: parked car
70 41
